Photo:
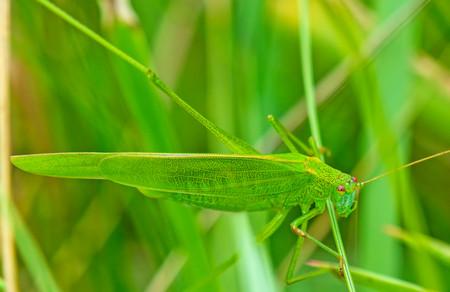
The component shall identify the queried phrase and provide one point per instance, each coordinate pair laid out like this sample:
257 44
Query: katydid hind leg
290 277
306 276
233 143
319 243
273 225
303 222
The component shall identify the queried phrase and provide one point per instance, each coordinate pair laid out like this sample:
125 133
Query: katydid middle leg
273 225
286 137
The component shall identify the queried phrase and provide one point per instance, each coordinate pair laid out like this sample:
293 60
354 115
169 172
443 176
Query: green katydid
228 182
237 182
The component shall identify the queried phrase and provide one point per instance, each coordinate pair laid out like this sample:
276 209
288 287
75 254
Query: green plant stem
7 233
235 144
307 70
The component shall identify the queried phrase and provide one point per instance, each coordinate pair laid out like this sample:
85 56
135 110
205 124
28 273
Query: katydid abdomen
224 182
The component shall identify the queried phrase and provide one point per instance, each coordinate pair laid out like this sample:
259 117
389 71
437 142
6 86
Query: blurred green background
382 71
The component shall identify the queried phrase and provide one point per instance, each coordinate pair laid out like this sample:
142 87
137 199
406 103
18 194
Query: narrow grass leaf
373 280
32 256
439 249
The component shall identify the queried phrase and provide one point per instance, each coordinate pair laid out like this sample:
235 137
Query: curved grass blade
439 249
372 280
168 271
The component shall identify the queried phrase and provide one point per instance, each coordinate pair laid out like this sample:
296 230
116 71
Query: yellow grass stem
7 234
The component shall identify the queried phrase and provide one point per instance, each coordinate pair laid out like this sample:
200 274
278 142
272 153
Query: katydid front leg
319 243
287 137
314 147
289 140
276 221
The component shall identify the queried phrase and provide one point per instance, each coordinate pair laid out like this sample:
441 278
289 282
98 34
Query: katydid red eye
341 188
354 179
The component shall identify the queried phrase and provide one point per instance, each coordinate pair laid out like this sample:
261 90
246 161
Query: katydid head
345 197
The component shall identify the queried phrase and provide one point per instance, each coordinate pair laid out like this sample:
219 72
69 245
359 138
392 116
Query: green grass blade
308 79
373 280
32 256
224 98
439 249
148 111
337 78
91 34
168 271
386 97
307 71
217 272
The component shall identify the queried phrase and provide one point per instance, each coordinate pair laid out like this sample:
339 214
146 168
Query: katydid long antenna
405 166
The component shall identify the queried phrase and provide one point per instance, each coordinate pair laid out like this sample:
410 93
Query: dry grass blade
9 265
